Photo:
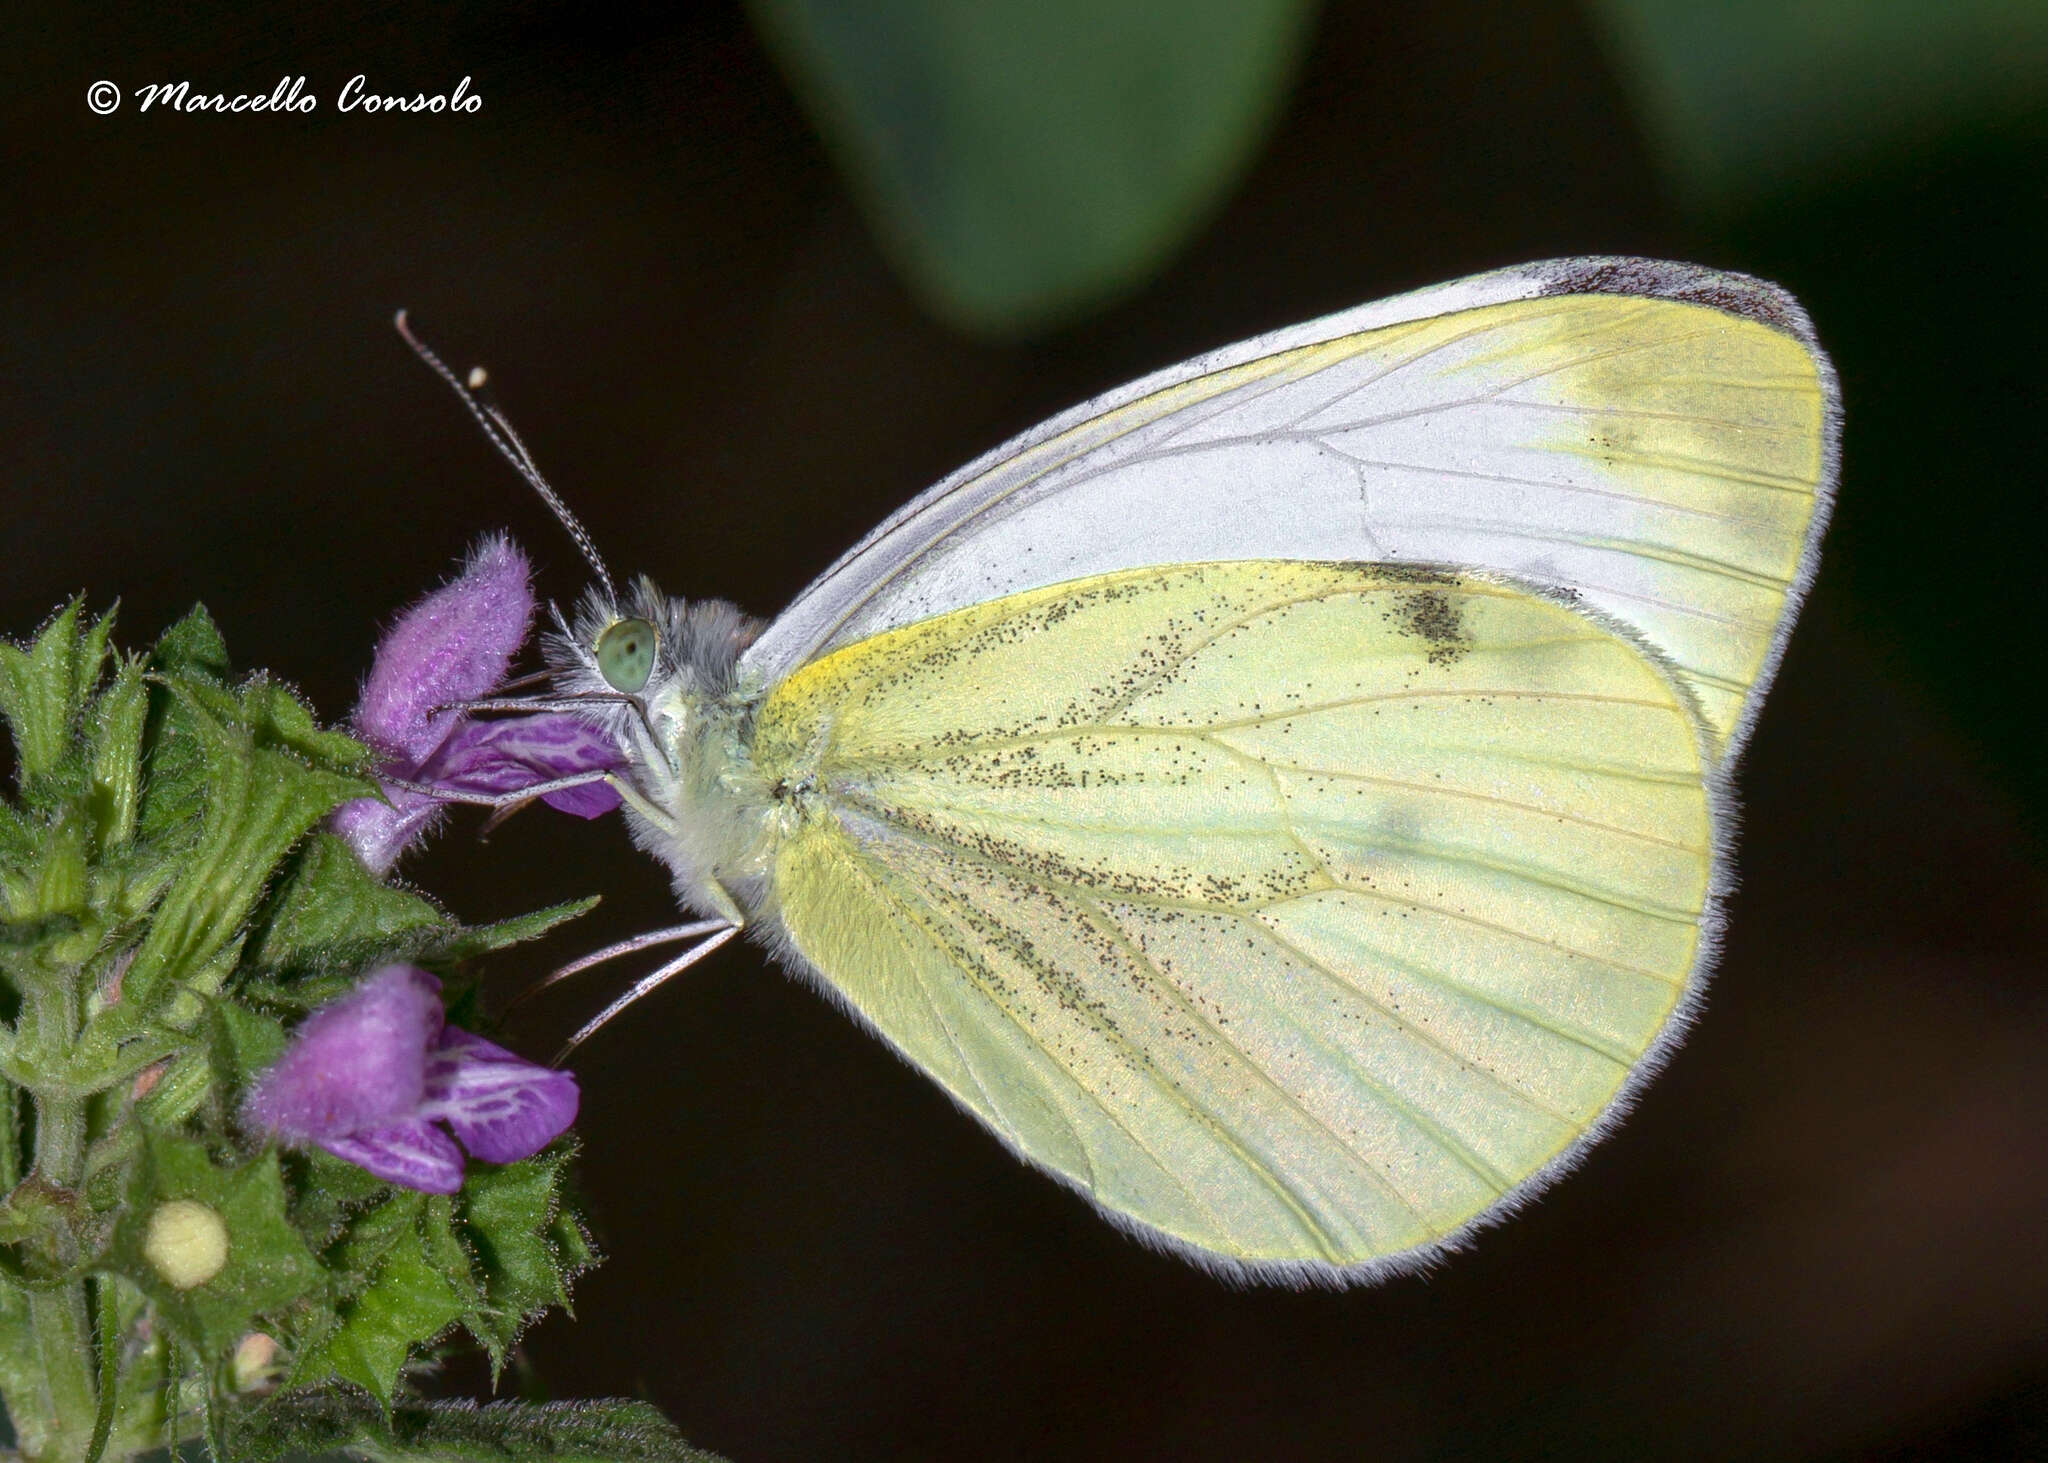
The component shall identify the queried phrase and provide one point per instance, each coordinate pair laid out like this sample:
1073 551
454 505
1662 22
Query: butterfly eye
625 655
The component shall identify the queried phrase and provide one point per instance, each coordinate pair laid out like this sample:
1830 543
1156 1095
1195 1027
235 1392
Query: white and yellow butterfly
1287 798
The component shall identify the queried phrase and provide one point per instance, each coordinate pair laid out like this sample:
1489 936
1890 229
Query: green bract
167 911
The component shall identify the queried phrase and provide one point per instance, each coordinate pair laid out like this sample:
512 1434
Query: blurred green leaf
1747 98
1022 162
1921 278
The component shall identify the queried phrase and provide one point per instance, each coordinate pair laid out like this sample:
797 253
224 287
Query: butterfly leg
642 987
624 947
511 799
581 701
722 903
721 900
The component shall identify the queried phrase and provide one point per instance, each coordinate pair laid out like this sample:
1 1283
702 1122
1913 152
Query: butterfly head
647 664
661 676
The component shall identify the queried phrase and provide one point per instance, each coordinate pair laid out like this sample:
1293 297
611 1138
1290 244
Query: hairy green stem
106 1319
63 1337
10 1136
59 1317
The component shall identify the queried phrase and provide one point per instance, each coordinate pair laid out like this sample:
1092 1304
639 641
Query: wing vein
988 992
1439 790
1458 338
1116 932
1252 1163
1514 481
1427 1039
1317 708
1578 1038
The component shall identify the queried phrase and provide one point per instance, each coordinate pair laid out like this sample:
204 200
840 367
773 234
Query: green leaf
449 1254
177 1091
355 1261
408 1302
167 1251
241 1043
108 1160
44 687
47 906
527 1246
173 772
333 917
190 652
192 649
279 719
60 886
91 659
469 941
259 801
107 1326
327 1196
10 1136
119 716
574 1249
460 1432
43 1234
1022 163
17 838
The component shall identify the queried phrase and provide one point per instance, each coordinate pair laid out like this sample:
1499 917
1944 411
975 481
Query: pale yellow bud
187 1243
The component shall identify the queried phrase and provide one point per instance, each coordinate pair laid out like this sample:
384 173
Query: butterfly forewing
1657 438
1299 914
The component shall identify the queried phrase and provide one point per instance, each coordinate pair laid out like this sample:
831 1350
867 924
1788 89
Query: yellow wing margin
1297 914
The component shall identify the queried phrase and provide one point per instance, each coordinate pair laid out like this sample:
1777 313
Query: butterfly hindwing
1299 914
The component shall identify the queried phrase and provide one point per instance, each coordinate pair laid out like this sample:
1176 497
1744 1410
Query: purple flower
454 646
376 1076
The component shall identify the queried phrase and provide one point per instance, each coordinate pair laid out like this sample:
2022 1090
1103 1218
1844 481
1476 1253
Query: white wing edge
804 628
1724 817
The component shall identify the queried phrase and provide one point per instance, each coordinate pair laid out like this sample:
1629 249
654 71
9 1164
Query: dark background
1821 1236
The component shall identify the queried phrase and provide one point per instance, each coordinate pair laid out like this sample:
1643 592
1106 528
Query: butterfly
1286 799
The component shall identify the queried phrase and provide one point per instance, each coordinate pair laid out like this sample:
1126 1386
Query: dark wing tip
1694 284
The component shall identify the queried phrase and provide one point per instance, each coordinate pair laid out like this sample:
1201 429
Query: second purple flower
379 1079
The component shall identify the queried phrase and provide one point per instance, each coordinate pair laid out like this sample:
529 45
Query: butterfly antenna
510 447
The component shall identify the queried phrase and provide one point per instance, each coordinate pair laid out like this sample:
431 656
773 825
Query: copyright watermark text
290 94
